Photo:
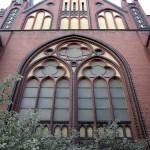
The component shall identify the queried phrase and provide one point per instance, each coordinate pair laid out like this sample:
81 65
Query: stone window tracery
89 93
74 52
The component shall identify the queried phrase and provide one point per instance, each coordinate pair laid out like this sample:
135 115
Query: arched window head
39 20
9 21
109 19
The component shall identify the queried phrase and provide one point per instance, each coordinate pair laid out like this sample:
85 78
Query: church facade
84 63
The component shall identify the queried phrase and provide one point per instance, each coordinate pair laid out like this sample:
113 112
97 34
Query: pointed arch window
77 84
38 20
107 96
109 19
47 91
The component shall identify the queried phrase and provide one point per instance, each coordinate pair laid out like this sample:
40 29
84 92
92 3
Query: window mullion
53 106
110 101
38 94
69 26
106 20
114 19
79 26
93 103
43 20
35 17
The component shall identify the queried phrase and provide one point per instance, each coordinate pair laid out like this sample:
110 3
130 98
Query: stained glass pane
121 115
61 112
118 100
45 99
103 114
61 115
84 101
85 115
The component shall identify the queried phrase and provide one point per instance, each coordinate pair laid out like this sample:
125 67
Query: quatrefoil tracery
74 52
50 67
98 67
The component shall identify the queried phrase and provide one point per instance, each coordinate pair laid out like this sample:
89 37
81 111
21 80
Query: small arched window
82 132
64 131
89 132
57 131
109 19
38 20
120 131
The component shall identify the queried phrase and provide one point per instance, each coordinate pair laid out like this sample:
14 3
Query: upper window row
42 20
75 15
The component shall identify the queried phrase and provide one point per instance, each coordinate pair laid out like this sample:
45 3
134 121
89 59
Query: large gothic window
74 14
109 19
38 20
76 84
